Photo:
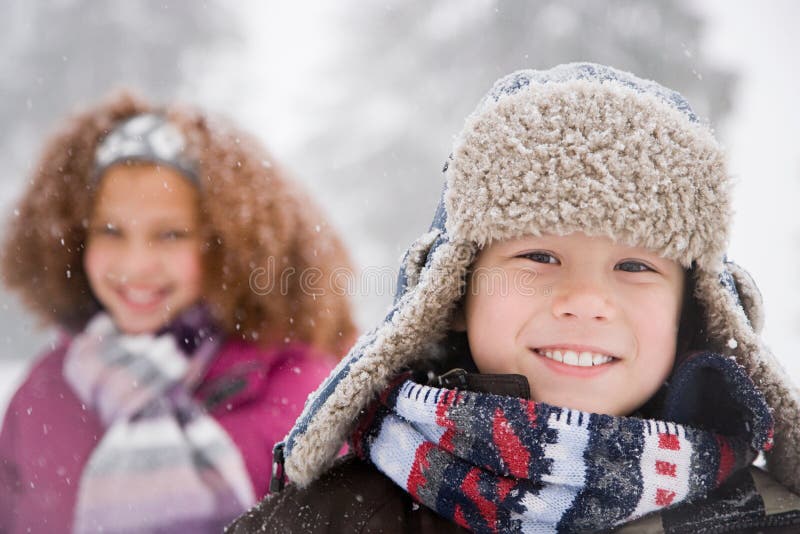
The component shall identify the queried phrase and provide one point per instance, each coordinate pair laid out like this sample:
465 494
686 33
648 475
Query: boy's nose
582 299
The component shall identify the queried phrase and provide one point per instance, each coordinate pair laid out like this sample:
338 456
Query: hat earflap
749 296
732 313
415 259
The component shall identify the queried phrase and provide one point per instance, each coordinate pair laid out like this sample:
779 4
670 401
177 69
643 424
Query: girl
569 350
170 250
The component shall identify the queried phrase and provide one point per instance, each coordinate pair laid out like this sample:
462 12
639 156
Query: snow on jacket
48 435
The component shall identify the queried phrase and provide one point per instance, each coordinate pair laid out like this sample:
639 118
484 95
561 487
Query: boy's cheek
494 322
529 283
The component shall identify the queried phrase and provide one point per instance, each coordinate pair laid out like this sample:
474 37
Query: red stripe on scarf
512 451
416 477
666 468
727 459
458 517
669 441
472 490
530 407
664 497
504 486
443 406
770 440
365 422
363 427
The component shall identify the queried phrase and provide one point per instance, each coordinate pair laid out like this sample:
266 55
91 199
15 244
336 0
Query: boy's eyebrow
649 253
526 242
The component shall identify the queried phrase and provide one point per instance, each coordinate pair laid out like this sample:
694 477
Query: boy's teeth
578 359
571 357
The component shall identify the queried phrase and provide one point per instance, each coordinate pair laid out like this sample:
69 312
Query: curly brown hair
253 218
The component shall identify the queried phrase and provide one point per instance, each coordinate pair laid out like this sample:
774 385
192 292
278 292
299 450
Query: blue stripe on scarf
620 439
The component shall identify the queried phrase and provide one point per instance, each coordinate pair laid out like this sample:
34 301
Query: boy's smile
590 323
575 356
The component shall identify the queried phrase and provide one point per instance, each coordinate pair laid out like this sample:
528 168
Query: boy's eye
540 257
631 266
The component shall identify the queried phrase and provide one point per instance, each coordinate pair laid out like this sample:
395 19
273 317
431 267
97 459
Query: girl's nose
584 298
140 259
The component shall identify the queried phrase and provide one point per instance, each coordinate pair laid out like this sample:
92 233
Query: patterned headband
147 138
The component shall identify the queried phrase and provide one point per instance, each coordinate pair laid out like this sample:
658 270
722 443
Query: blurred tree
62 54
400 78
410 71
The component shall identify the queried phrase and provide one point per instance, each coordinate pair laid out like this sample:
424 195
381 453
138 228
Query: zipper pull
278 480
453 379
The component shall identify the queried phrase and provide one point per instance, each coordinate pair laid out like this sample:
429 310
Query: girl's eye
172 235
106 229
540 257
631 266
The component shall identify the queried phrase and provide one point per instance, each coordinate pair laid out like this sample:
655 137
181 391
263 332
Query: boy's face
592 324
143 253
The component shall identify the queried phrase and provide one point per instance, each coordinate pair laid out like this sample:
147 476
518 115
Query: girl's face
592 324
143 252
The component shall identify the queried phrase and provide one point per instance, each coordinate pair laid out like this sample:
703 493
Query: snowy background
361 101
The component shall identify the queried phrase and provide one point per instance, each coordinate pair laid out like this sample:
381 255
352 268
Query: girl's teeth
578 359
141 297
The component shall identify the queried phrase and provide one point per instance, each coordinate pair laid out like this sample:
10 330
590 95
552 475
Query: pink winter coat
48 436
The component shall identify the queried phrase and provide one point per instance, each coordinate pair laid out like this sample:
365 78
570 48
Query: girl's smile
142 299
143 255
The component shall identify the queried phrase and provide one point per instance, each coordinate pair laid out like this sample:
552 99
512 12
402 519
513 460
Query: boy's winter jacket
48 435
353 496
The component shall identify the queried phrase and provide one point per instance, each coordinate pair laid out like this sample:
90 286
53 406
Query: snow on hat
147 137
580 147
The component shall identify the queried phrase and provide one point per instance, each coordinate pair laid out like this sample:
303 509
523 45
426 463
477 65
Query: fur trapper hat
581 147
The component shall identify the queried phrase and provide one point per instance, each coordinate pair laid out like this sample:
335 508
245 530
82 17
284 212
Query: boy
576 267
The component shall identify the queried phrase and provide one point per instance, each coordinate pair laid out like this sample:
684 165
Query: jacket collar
509 385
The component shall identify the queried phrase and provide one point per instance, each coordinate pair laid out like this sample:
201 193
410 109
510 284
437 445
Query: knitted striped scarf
163 464
493 463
